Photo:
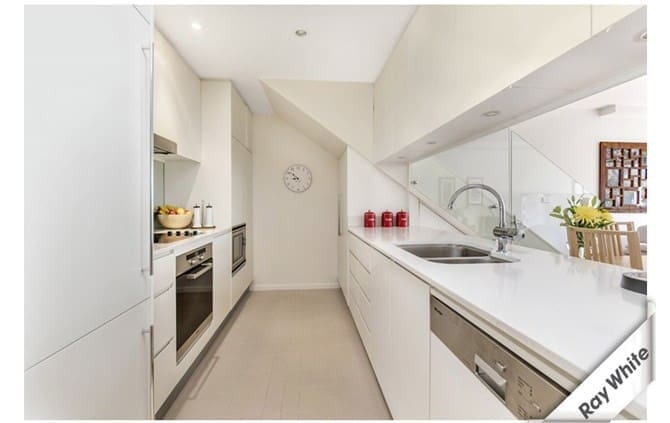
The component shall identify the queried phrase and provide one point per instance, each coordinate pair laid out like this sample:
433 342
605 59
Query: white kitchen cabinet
242 173
165 317
222 254
453 387
241 120
390 308
603 16
165 273
406 345
379 320
242 212
165 373
177 103
104 375
241 281
87 150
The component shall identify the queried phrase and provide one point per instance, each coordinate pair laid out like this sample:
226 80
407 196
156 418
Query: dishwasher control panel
527 393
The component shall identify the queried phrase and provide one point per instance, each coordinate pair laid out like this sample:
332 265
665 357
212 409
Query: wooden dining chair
606 246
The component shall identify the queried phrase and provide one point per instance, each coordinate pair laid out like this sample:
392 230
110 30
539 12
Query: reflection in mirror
539 163
159 183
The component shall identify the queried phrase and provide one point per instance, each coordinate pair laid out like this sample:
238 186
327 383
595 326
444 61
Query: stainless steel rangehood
164 146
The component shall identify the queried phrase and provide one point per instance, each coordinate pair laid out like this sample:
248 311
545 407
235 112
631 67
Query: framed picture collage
623 176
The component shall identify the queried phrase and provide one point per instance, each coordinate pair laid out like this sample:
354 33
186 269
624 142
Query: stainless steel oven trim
199 255
185 348
237 230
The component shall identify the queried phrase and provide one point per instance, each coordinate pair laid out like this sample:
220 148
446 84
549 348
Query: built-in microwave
239 246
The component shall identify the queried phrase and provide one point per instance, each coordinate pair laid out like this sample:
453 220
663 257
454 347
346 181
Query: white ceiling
631 93
249 43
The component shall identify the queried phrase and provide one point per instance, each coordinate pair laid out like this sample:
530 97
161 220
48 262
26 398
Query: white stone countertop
570 312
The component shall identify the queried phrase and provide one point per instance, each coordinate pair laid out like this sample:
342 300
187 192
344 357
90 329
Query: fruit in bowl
173 217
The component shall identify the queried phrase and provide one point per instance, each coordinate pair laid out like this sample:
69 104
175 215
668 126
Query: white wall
295 235
370 188
342 108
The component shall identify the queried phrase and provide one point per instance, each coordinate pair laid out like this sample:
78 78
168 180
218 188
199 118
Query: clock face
298 178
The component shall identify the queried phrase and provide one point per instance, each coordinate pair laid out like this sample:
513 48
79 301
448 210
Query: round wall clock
298 178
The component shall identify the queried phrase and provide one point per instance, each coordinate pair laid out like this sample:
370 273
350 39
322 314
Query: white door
104 375
87 211
407 362
86 170
241 181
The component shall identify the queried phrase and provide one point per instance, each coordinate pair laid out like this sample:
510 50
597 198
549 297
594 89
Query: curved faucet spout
501 202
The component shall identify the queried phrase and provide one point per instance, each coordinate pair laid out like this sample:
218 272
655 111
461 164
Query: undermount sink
451 253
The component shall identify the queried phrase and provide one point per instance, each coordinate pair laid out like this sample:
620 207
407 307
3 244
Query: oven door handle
196 275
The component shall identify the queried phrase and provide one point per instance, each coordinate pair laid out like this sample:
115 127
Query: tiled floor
285 355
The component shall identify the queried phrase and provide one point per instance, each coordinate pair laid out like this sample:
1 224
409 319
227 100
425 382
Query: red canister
369 219
402 219
387 219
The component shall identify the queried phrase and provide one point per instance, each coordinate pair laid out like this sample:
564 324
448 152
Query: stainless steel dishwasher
474 377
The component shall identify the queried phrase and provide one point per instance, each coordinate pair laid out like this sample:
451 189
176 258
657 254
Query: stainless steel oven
195 271
239 246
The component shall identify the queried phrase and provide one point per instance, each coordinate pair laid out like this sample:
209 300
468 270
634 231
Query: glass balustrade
530 184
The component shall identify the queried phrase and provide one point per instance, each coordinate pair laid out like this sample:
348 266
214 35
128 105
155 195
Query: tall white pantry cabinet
87 235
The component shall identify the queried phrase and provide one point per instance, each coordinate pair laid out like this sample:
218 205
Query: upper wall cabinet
176 99
452 58
241 117
606 15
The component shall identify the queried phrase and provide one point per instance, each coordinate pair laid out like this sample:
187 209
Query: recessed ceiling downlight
196 26
491 113
300 32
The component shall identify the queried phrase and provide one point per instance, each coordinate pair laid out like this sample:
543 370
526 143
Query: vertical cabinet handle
150 332
150 143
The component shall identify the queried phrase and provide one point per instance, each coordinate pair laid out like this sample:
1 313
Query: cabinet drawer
362 276
361 251
363 304
165 373
164 318
164 273
363 330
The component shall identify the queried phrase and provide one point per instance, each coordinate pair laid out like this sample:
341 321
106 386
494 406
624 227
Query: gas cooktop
165 236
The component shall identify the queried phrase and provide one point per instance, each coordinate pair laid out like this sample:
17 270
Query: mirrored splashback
531 186
159 183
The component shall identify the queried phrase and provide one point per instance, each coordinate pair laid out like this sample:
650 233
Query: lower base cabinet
391 308
104 375
222 255
241 281
407 345
165 373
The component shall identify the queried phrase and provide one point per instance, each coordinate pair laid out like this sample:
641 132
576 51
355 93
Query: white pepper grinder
209 216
